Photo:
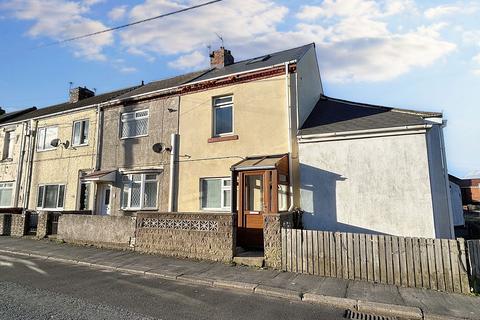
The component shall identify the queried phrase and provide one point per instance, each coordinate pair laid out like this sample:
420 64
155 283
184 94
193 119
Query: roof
13 115
258 162
163 84
332 115
268 61
70 106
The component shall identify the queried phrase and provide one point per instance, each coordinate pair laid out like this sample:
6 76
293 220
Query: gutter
18 180
194 82
289 125
28 180
363 133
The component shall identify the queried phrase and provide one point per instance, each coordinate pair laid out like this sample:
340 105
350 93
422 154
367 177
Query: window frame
8 144
82 130
142 181
50 147
122 121
222 195
216 106
57 208
3 187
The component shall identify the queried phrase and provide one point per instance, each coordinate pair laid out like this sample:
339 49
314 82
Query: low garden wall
102 231
205 235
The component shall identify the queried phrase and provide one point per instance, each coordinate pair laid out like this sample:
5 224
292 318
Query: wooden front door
253 202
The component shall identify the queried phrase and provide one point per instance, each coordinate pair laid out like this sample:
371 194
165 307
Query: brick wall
5 224
272 240
205 235
102 231
18 225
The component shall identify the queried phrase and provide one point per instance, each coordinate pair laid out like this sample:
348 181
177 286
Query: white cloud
450 9
117 13
189 61
354 8
237 21
59 20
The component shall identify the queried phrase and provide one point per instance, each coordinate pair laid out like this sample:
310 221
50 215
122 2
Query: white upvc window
134 124
6 191
139 191
8 145
45 136
222 116
215 193
51 196
80 133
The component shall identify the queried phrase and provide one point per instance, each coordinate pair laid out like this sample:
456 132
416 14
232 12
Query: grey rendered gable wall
136 153
443 219
309 85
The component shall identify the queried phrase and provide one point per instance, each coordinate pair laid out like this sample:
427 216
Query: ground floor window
51 196
215 193
6 191
139 191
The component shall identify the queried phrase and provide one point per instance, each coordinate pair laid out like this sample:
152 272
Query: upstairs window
6 190
45 137
8 144
139 191
51 196
134 124
215 193
222 116
80 133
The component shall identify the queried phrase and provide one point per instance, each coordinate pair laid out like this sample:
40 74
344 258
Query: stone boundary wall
18 225
115 232
272 237
197 235
5 224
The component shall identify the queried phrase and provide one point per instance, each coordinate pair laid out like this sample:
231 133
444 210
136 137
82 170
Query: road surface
32 288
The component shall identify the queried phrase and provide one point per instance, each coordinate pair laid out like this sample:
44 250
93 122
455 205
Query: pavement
58 290
408 303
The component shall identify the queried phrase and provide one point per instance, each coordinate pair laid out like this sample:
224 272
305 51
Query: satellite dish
158 147
55 142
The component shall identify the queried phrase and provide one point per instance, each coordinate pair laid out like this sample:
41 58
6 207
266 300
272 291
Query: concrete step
249 258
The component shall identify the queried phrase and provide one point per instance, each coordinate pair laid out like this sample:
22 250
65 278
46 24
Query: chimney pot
221 58
79 93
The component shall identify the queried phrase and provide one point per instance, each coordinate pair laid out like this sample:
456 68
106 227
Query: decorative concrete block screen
208 235
438 264
102 231
474 260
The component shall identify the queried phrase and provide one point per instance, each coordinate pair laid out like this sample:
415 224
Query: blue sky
413 54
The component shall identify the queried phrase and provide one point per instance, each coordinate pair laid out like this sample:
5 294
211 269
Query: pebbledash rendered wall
102 231
206 235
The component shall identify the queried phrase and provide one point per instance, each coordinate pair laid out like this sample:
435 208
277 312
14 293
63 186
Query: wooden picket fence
439 264
474 260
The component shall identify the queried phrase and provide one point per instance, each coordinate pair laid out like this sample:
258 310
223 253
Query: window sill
224 138
6 160
134 137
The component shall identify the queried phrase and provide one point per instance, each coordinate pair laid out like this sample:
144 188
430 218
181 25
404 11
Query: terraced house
202 163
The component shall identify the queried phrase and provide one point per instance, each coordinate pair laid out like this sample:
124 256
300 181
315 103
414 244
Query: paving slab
376 292
450 304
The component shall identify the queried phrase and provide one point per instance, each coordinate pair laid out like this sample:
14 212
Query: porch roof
259 163
101 176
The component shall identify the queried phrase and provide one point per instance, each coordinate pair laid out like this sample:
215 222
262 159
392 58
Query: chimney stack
79 93
2 111
221 58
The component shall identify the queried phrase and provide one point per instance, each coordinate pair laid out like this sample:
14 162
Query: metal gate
31 223
52 223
